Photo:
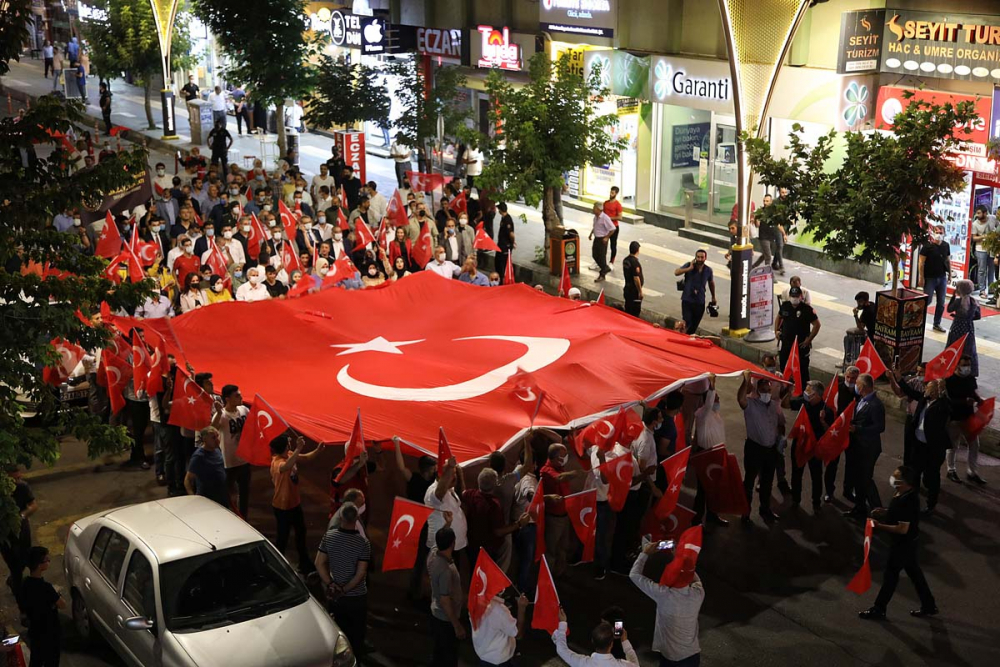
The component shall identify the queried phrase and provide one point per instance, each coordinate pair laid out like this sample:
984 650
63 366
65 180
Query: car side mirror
139 623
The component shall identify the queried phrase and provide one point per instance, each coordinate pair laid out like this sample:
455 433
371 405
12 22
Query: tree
125 42
424 104
347 93
35 309
14 32
549 127
266 47
886 186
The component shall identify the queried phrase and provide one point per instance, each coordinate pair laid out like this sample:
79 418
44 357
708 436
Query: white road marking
830 352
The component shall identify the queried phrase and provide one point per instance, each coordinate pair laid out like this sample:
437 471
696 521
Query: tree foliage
885 188
422 103
549 127
13 31
347 93
34 186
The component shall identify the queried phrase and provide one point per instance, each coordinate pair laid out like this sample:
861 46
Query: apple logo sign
374 32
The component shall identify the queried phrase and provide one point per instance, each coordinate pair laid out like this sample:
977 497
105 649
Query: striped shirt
344 549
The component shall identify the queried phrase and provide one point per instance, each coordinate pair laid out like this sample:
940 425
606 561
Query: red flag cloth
117 129
111 271
192 406
675 468
342 219
836 438
508 269
805 439
396 210
157 188
869 360
669 528
602 433
109 243
401 389
197 220
546 613
287 220
363 236
256 237
83 318
488 581
735 500
793 369
681 427
862 580
831 393
525 394
458 204
564 282
421 182
403 540
289 258
978 420
679 573
444 451
218 264
159 365
341 269
303 287
707 462
943 365
423 249
140 363
582 510
262 425
353 448
536 510
618 472
146 252
600 298
484 242
118 374
70 355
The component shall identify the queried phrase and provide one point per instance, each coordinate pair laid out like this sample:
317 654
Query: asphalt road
774 595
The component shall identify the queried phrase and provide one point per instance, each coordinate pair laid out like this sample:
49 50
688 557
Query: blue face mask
237 274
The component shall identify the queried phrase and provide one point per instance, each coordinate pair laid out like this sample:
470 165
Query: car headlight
343 655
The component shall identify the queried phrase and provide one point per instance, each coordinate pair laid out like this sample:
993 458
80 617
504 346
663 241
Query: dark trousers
445 644
626 536
850 468
49 67
815 474
614 244
904 557
928 465
692 312
419 566
107 121
139 413
690 661
786 351
500 260
239 478
759 462
633 304
288 519
602 538
525 540
221 158
600 251
351 614
830 476
778 263
401 169
241 118
865 491
909 441
15 554
179 451
44 649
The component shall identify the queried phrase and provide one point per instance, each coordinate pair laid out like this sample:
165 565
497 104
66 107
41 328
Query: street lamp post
164 12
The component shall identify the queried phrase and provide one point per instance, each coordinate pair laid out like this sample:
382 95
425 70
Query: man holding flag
765 424
867 426
964 394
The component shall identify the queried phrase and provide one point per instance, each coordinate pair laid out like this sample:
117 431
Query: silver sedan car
183 582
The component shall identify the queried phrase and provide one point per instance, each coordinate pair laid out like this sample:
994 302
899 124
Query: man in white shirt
495 639
441 496
217 100
323 178
474 165
602 638
595 480
229 419
157 305
675 635
253 289
626 535
162 180
377 204
232 251
442 266
400 153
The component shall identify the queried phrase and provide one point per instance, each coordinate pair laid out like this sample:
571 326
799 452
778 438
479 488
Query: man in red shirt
613 209
487 524
186 263
555 485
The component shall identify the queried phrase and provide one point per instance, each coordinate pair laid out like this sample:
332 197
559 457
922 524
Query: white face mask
209 233
227 235
324 271
893 482
322 220
245 229
188 249
936 237
440 257
765 398
218 287
160 172
964 371
77 222
234 191
338 236
795 300
254 280
267 207
562 460
308 226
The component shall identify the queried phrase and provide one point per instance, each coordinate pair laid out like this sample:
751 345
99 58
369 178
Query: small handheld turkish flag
488 580
289 260
353 448
869 360
526 393
342 269
978 420
363 236
262 425
444 451
484 242
805 439
618 473
944 365
546 614
140 362
342 220
710 468
255 238
536 510
287 220
675 468
582 510
508 269
192 405
862 580
458 204
669 528
679 573
396 210
836 438
109 243
403 541
831 393
70 355
564 282
423 249
118 374
793 368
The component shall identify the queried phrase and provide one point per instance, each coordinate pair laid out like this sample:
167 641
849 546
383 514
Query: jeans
288 519
445 644
524 544
238 477
778 263
765 253
936 287
692 313
401 169
958 437
987 272
217 116
904 557
351 614
83 93
242 117
759 461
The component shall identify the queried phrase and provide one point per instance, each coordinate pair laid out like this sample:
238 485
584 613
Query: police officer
634 279
796 321
902 521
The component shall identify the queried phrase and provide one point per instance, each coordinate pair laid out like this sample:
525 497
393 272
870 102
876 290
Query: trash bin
200 120
565 247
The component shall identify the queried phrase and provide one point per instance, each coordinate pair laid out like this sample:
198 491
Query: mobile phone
665 544
11 641
619 628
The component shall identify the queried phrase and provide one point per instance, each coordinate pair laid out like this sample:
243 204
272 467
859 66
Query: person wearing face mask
204 244
275 288
162 181
765 424
902 521
935 272
454 243
796 321
253 289
846 392
927 429
820 418
192 297
168 208
963 391
470 274
494 279
467 233
187 262
555 481
442 266
63 222
255 205
242 234
307 237
217 292
698 279
371 273
867 427
964 311
709 431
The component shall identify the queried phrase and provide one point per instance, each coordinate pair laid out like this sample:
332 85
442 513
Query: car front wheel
81 618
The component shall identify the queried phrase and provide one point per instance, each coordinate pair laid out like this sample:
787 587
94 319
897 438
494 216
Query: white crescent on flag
270 422
623 460
117 373
708 470
408 520
482 579
527 399
583 516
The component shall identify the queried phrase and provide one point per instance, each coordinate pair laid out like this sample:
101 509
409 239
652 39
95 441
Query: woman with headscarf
192 297
964 311
217 292
398 269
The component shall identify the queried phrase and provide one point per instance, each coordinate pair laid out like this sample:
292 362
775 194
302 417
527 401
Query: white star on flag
377 344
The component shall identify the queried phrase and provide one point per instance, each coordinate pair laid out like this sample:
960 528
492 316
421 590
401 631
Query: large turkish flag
426 352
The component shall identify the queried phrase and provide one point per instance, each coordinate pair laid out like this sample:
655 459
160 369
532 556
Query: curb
50 474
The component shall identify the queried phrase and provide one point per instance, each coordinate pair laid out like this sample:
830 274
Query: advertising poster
860 49
899 328
685 145
761 298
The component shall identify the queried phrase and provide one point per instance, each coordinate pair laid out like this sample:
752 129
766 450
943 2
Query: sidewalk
662 251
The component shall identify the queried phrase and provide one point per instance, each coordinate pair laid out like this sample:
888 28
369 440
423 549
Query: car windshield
228 586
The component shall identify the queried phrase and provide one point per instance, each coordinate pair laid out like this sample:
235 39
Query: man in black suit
866 435
927 430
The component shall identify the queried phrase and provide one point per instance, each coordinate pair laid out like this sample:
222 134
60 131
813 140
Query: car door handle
121 621
86 583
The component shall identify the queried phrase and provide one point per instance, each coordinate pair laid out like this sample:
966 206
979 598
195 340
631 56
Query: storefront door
723 181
